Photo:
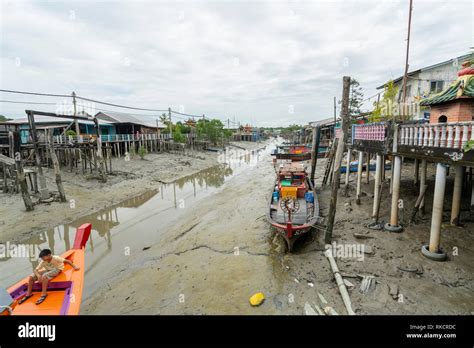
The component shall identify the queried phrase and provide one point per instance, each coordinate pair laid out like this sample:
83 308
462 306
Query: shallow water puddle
133 224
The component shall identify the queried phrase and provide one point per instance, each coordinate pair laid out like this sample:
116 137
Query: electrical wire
34 93
20 102
98 102
181 113
118 105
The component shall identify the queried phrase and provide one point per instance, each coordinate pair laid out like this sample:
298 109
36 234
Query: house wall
419 84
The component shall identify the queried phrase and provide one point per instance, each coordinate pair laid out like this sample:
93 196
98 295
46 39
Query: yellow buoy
257 299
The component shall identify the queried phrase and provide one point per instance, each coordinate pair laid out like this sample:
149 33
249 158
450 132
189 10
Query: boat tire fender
393 228
439 256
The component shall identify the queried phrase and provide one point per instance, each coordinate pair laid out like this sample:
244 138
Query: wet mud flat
201 245
85 194
406 282
125 233
197 271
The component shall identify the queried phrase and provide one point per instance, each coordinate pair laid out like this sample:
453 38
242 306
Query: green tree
4 118
166 121
356 97
212 130
142 152
386 108
177 133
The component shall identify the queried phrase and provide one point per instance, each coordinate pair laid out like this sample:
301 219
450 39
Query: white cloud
248 59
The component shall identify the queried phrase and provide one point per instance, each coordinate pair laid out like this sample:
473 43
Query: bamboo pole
340 282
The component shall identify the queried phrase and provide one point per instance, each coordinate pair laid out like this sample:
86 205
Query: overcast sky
267 63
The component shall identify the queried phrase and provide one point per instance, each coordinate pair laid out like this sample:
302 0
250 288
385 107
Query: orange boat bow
64 291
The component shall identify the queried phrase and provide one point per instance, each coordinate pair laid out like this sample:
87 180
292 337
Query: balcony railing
369 131
440 135
87 138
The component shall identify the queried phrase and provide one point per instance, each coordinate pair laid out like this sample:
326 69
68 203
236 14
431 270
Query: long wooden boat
293 207
292 152
355 165
64 291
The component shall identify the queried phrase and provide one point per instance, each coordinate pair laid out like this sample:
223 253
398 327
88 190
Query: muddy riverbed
201 245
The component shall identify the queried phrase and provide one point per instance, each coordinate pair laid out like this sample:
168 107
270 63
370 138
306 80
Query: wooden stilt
416 171
338 158
57 171
22 183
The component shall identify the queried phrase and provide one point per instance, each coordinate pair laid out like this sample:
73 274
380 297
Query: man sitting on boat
49 267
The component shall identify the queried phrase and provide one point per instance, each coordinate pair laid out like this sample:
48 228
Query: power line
34 93
181 113
94 101
21 102
118 105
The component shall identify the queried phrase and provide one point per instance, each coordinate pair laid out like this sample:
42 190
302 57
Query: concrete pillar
359 176
378 176
391 175
422 183
457 191
393 226
348 166
367 169
437 216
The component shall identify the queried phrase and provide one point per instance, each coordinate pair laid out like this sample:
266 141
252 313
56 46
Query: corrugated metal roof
57 120
117 117
324 122
460 59
463 87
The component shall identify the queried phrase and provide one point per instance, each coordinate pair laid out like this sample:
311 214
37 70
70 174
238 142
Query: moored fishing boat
293 208
64 291
292 152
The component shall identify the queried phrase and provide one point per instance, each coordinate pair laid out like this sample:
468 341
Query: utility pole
405 75
169 116
335 117
345 120
78 132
